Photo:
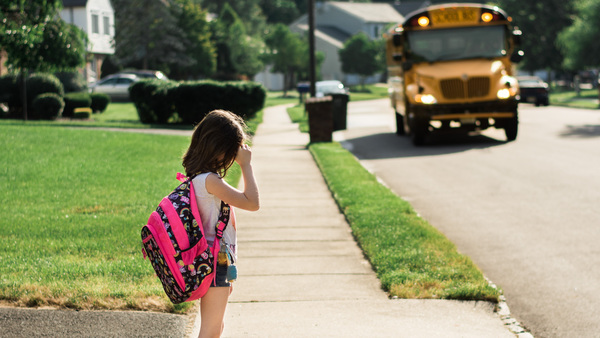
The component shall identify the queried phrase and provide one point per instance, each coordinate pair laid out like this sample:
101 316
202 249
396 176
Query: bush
83 114
99 102
76 100
47 106
151 100
72 81
42 83
9 93
158 101
193 100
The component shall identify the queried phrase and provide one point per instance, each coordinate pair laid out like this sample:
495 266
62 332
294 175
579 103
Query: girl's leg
212 311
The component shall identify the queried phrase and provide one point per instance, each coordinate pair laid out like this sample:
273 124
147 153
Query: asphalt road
526 212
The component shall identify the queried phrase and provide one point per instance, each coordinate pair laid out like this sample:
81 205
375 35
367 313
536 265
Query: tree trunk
24 92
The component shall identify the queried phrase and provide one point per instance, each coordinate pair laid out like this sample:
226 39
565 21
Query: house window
95 24
106 25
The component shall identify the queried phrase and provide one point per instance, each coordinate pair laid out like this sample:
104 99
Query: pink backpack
174 242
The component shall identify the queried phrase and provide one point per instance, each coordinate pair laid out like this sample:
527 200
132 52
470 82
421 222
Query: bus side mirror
517 56
397 40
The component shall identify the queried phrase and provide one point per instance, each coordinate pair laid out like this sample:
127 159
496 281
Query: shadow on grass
117 124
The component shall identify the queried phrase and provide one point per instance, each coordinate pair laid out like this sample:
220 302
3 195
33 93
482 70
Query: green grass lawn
119 112
587 99
411 258
74 205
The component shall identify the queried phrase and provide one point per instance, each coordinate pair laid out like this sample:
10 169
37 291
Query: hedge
188 102
150 98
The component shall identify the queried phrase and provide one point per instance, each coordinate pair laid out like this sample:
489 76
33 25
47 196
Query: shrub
9 93
83 114
76 100
157 101
151 100
42 83
193 100
71 81
47 106
99 102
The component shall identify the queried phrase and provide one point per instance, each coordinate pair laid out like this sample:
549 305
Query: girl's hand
244 155
247 199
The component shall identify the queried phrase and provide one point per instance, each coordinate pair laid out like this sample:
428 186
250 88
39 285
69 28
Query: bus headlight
506 93
425 99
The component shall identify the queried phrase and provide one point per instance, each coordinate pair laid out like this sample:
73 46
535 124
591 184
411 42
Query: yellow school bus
451 67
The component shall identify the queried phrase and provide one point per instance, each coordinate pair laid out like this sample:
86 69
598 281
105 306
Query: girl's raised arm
248 199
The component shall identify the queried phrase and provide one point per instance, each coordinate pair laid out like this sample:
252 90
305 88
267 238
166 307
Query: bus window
456 43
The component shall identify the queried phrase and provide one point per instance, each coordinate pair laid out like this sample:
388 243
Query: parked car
324 88
534 90
116 86
147 74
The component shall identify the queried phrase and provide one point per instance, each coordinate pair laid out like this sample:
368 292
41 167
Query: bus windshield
456 43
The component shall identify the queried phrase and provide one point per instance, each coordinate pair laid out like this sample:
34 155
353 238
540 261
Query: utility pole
311 46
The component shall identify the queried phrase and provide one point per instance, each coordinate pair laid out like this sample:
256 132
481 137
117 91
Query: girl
217 142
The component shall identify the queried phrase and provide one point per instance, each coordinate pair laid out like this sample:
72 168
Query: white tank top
209 207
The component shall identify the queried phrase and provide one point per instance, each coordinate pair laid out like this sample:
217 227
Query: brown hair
215 143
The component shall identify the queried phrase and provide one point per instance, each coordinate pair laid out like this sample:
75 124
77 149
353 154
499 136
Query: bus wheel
511 128
400 125
419 131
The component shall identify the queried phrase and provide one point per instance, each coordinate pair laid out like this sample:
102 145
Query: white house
337 21
97 19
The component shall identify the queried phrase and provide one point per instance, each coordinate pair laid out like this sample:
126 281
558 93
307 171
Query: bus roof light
487 17
423 21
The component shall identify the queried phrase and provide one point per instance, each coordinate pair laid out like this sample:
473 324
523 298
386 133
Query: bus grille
459 89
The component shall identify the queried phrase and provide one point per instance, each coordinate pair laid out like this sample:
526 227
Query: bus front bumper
467 111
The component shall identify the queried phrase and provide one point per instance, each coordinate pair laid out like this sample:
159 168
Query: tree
540 23
285 51
280 11
37 40
361 56
248 11
147 35
238 54
579 42
191 19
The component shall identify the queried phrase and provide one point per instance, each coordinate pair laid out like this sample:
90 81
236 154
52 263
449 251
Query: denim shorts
221 277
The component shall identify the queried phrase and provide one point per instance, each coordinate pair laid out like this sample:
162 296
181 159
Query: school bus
451 67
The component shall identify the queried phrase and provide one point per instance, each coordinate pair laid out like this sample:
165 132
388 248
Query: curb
507 319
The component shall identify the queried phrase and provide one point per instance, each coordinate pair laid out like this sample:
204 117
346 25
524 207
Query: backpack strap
223 219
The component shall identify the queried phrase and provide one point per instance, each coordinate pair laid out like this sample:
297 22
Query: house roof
370 12
324 33
333 32
74 3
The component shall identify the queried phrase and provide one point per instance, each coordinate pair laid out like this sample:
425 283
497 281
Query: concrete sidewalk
301 274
